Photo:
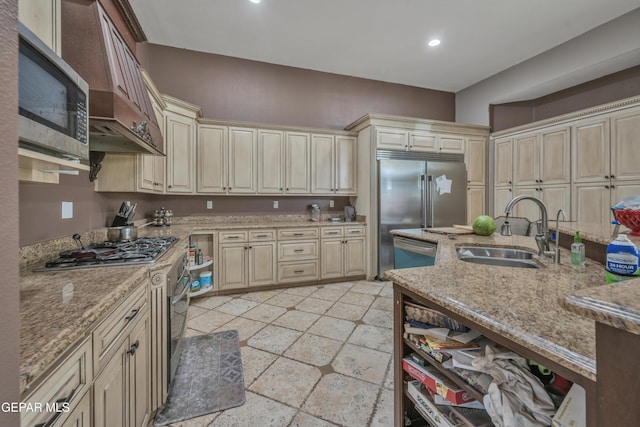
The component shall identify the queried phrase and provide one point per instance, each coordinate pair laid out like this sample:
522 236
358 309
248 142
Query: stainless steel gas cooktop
145 250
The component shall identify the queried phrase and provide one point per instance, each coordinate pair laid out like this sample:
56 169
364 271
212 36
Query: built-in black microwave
53 101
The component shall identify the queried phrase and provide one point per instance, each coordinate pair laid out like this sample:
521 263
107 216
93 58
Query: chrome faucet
542 231
557 250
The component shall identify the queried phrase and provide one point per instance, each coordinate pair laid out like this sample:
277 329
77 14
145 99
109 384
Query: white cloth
516 398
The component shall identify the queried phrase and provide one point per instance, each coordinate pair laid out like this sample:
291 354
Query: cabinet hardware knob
606 186
606 177
287 189
613 176
613 186
509 182
281 188
133 348
170 186
224 188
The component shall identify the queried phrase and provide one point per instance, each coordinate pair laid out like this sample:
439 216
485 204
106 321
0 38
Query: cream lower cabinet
475 203
298 254
68 384
554 198
246 259
342 251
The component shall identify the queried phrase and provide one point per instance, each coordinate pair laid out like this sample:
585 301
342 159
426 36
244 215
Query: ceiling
378 39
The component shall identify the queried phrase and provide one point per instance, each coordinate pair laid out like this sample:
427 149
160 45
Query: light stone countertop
59 309
523 305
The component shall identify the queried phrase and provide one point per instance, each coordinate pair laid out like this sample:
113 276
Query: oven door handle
185 289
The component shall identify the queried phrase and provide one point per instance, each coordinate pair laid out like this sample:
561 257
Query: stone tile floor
313 356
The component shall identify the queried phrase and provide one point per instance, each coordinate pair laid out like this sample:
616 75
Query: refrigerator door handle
430 206
423 199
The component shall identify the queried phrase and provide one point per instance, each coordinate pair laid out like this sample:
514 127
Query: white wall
606 49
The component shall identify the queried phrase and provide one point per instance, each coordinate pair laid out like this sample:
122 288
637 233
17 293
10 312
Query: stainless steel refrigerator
417 190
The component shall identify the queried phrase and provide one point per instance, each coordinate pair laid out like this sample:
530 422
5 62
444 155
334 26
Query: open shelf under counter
202 291
194 267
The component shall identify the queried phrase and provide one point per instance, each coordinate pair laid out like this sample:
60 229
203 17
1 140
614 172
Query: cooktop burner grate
145 250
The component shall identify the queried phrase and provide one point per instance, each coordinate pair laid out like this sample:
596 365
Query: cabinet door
527 208
158 173
42 17
475 158
345 165
232 265
391 139
270 162
322 164
211 170
591 202
180 141
475 203
110 391
146 173
556 197
354 257
139 373
262 263
331 259
80 416
503 162
555 165
590 150
500 200
423 142
451 144
297 163
625 146
242 160
526 160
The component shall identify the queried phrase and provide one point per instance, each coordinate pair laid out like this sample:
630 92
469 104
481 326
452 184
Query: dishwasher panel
413 253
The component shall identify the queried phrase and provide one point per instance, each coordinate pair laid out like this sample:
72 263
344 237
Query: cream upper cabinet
503 162
345 164
391 139
333 164
43 18
297 163
453 144
502 195
180 142
271 166
211 159
475 158
590 146
423 142
242 160
151 168
625 145
542 158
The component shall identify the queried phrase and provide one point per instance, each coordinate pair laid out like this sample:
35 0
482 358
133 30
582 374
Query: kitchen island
519 308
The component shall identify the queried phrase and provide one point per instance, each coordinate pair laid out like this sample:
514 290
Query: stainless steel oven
177 305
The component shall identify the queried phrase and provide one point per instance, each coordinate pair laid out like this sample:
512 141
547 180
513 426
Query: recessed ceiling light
255 1
432 43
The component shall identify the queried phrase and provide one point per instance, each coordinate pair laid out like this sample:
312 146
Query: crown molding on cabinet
413 123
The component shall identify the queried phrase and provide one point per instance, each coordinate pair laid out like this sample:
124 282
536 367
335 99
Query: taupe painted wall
613 87
10 312
229 88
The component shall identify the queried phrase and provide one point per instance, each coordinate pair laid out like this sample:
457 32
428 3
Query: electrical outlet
331 204
67 210
209 204
275 204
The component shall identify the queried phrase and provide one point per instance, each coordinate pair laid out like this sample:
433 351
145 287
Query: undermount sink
502 257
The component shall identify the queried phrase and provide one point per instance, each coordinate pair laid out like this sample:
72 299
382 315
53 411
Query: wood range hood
121 118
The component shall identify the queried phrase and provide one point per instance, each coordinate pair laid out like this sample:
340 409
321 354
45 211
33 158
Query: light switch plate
275 204
331 204
67 210
209 204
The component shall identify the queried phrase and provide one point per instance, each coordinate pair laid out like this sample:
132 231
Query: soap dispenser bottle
577 250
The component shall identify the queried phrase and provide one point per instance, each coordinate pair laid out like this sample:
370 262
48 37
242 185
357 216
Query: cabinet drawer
298 233
297 271
329 232
232 236
114 326
262 235
66 384
357 230
297 251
